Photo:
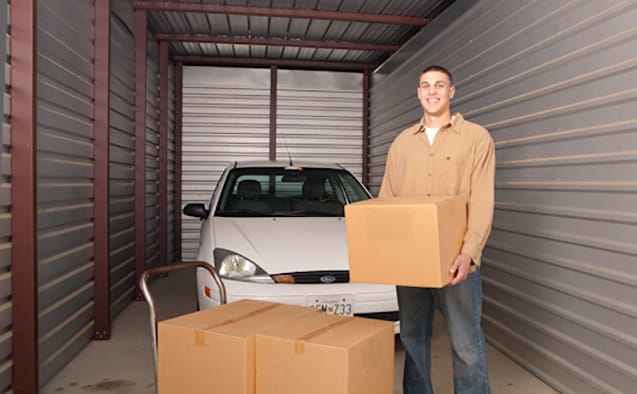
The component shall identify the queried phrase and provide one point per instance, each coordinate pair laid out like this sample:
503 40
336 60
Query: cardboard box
408 241
213 351
320 354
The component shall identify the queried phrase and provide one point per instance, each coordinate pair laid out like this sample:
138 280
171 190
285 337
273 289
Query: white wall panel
226 117
320 117
556 85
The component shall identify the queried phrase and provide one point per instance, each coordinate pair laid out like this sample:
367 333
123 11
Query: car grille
309 277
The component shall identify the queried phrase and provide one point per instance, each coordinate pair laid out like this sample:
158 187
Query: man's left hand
460 268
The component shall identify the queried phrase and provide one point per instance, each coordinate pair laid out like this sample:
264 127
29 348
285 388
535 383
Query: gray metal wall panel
320 117
65 184
122 161
556 85
226 117
152 154
6 339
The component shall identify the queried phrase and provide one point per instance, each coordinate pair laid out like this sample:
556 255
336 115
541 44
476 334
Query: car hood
280 245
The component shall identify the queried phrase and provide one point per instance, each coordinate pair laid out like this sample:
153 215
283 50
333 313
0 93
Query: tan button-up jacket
461 162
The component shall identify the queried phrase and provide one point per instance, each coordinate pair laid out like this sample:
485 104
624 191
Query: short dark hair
438 68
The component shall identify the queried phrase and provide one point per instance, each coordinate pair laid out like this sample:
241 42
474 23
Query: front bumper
369 299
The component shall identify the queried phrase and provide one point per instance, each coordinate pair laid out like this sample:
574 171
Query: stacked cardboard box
321 354
214 351
407 241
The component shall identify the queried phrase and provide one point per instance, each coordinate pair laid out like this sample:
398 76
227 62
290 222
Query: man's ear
452 91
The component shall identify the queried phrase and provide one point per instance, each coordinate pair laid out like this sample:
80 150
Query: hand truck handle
151 303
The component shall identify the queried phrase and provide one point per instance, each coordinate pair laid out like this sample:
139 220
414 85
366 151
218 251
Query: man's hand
460 268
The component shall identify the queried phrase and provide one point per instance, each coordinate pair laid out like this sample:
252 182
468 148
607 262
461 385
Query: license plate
333 305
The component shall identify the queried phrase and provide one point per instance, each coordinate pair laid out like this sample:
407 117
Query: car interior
284 192
249 198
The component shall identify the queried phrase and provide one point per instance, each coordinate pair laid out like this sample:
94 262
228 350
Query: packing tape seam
199 333
299 343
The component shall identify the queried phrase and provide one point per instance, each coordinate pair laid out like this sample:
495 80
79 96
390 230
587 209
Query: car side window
354 194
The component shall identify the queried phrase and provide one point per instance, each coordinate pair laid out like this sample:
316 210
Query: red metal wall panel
24 197
101 169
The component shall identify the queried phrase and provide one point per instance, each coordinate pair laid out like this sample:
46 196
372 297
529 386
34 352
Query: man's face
435 92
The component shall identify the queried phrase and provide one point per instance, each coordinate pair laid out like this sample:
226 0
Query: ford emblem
327 279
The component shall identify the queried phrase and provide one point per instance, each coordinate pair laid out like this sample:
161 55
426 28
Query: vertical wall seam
179 83
101 137
273 93
163 152
140 146
365 148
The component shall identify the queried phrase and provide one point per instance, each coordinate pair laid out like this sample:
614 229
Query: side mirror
196 210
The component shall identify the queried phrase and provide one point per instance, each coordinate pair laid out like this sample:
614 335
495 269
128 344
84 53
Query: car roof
284 163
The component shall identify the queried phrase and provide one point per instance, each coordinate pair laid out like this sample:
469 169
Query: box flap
223 314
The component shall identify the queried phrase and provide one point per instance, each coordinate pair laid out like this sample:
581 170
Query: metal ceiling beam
283 42
279 12
302 64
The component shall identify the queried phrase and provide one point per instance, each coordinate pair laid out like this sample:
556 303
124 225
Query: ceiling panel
200 34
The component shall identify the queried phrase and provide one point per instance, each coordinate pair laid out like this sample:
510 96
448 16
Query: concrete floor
123 365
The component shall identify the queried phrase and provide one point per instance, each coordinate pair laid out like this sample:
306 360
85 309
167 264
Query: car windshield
278 191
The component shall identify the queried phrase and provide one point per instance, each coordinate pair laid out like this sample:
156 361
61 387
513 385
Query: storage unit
91 159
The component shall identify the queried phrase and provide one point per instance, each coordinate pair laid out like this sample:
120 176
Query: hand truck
151 304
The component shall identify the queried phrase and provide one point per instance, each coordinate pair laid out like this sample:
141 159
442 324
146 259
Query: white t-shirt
431 134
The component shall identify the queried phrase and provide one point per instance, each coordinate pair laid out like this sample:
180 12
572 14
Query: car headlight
233 266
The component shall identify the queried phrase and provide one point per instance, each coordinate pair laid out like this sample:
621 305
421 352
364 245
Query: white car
276 232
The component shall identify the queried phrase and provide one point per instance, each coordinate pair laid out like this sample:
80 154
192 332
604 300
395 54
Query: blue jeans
461 307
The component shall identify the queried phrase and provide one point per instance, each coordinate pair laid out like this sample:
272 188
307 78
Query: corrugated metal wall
319 117
65 72
64 181
122 158
226 117
6 338
152 154
556 85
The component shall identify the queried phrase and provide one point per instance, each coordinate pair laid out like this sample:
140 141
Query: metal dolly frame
143 285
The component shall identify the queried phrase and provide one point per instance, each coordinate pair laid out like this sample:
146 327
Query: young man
445 155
